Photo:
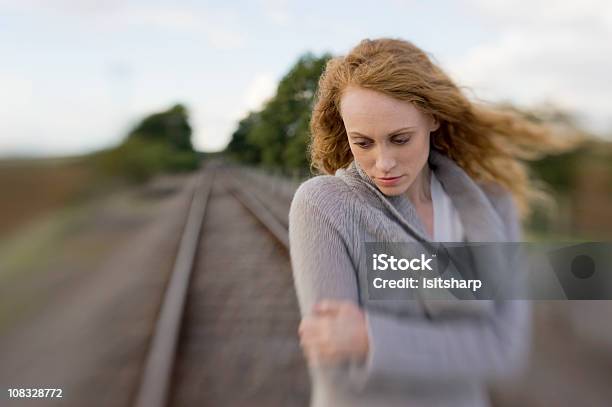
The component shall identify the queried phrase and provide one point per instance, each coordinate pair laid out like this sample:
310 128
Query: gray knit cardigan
418 356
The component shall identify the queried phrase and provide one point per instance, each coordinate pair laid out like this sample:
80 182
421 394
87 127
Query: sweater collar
481 223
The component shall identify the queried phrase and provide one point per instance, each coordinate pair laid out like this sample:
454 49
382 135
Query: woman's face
389 138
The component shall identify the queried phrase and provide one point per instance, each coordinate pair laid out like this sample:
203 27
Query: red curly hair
487 143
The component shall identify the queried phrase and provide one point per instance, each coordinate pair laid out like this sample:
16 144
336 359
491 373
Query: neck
420 192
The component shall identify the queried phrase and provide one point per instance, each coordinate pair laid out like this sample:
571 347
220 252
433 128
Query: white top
446 224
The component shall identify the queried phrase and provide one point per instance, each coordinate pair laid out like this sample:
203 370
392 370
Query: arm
468 349
471 349
322 266
399 349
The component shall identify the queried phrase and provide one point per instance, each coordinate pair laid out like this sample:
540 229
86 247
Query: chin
392 191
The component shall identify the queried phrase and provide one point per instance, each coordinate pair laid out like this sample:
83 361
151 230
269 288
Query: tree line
276 137
160 142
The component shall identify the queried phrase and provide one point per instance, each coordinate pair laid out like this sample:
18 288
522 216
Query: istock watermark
488 271
383 262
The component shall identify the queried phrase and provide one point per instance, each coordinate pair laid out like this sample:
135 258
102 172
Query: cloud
16 91
39 118
212 128
215 122
543 52
277 11
74 7
262 87
546 12
220 27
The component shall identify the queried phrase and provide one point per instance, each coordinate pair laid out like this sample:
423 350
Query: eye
401 140
363 144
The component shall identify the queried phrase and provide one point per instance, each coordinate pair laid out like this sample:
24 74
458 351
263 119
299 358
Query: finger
318 357
318 346
311 327
307 324
326 307
306 341
314 341
321 357
310 354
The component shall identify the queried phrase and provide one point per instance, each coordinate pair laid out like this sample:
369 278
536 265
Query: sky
76 75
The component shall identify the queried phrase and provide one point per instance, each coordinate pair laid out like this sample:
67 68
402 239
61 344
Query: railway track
237 343
226 333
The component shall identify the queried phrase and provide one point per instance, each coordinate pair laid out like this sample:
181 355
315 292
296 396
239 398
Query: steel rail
261 213
155 384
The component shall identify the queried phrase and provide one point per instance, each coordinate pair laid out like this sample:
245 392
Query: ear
435 123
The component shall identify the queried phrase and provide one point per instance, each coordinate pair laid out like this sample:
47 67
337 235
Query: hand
335 332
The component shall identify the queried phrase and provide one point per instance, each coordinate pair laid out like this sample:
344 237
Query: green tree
278 134
171 127
240 148
161 142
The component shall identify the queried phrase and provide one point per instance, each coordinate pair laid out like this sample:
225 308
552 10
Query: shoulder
323 184
322 190
324 195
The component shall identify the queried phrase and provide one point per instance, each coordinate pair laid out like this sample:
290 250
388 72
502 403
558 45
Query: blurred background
112 113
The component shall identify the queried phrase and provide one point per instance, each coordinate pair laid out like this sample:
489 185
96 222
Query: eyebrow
393 133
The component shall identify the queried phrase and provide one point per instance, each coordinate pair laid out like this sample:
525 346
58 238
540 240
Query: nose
385 162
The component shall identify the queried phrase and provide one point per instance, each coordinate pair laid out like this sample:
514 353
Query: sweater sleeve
465 350
321 264
400 349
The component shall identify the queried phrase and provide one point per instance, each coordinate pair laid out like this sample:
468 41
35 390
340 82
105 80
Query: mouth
389 181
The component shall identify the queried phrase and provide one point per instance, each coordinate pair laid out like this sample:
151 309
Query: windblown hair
488 144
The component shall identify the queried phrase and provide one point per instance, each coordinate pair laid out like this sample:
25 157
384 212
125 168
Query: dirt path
86 306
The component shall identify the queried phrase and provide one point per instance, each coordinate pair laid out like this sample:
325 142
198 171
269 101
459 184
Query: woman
413 161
